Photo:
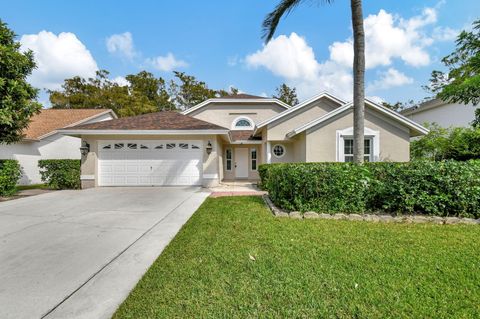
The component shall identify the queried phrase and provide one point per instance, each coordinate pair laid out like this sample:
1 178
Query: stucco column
269 152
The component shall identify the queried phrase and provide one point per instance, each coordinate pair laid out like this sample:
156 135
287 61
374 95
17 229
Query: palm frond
272 19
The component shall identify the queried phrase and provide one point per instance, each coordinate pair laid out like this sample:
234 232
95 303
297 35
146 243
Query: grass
309 268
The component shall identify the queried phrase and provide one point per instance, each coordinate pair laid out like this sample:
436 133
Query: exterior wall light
85 148
209 148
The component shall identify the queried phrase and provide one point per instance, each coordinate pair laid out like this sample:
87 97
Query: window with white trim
228 159
253 158
348 149
278 150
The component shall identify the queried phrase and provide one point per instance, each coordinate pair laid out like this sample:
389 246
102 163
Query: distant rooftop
243 96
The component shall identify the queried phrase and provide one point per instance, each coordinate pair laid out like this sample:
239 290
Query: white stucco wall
56 146
446 115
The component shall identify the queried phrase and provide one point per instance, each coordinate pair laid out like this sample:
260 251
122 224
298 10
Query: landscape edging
416 219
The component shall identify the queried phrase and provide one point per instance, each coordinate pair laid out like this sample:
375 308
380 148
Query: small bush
10 172
447 188
60 173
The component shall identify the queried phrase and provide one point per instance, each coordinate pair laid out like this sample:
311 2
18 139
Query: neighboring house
443 113
43 141
228 138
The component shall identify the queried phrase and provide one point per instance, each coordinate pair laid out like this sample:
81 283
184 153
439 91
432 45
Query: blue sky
220 42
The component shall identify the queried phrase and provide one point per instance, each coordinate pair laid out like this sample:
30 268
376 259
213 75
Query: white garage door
149 163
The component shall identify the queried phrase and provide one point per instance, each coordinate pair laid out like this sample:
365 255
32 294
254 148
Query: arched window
242 123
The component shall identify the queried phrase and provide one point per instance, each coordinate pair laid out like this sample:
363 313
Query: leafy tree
461 83
399 106
143 94
286 94
459 143
17 97
154 89
464 144
284 8
230 92
186 91
432 146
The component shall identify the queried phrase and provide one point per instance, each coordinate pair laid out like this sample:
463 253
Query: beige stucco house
226 139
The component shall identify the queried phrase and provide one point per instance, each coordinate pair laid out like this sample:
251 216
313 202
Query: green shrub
10 172
60 173
326 187
447 188
456 143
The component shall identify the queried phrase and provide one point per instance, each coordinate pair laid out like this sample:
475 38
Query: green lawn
308 268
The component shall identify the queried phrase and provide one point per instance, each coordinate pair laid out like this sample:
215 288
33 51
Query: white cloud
390 78
445 34
58 57
120 80
166 63
292 58
121 44
289 57
388 37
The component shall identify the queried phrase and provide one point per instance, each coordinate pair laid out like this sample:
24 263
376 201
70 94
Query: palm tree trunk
358 81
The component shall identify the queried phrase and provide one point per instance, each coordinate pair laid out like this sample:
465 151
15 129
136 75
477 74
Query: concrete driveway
77 254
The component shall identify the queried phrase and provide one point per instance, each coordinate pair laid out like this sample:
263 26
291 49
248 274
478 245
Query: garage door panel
132 163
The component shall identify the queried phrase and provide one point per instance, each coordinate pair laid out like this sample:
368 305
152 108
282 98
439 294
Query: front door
241 162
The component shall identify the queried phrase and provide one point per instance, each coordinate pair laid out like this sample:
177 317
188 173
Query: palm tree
284 8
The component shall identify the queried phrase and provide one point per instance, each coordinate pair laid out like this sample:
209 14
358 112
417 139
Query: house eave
417 128
238 101
142 132
298 107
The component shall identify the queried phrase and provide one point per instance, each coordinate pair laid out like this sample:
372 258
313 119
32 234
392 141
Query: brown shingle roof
243 135
167 120
49 120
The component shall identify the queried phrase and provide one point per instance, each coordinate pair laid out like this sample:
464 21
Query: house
225 139
443 113
43 141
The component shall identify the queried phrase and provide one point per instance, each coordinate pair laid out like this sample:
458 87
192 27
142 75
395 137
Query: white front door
241 162
149 163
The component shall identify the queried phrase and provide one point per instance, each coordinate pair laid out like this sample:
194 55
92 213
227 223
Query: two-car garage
150 163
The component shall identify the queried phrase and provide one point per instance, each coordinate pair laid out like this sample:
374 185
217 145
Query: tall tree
461 83
286 94
143 94
17 97
284 8
186 91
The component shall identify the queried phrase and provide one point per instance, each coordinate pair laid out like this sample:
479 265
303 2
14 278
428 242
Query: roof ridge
161 120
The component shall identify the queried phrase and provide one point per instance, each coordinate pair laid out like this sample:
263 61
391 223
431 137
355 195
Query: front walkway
77 254
236 188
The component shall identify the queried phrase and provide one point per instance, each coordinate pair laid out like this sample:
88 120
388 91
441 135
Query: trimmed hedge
448 188
60 173
10 172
